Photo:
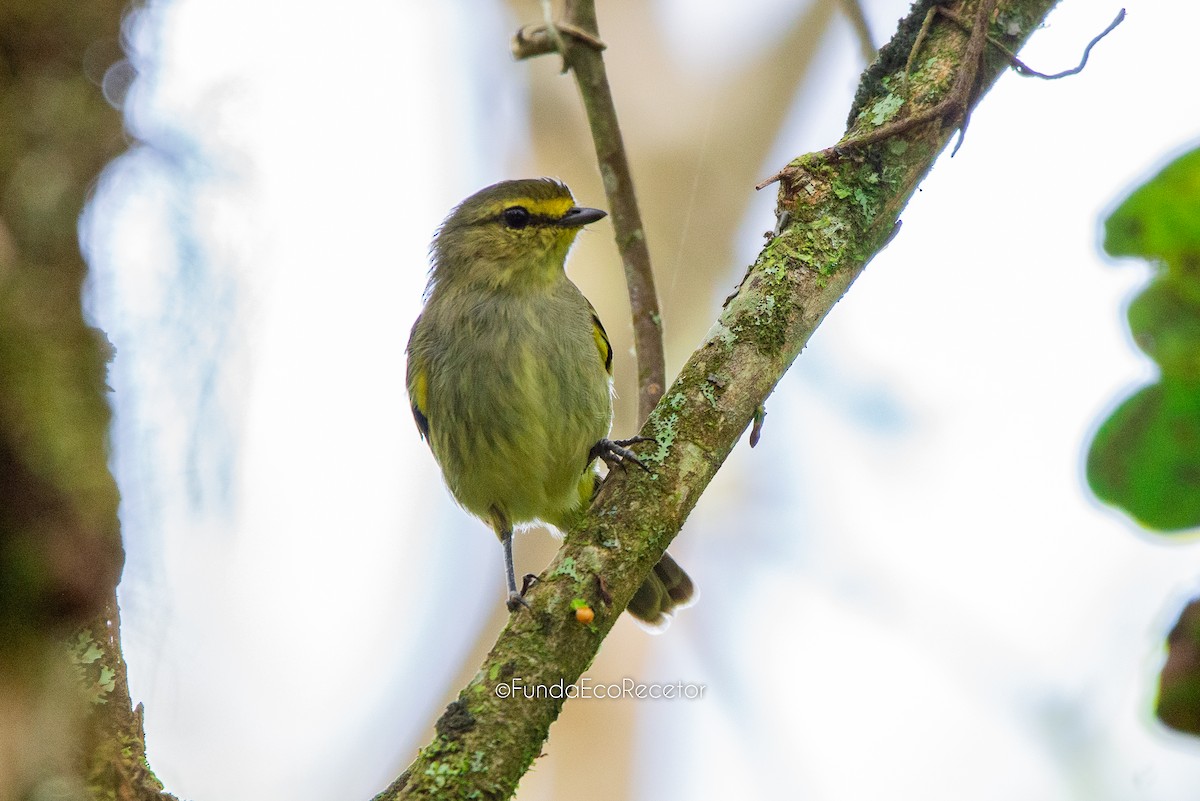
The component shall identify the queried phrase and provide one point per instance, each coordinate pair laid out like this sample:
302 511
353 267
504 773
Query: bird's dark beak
577 216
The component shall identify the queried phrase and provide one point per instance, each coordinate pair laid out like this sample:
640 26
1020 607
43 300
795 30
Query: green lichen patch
885 108
665 428
96 679
567 568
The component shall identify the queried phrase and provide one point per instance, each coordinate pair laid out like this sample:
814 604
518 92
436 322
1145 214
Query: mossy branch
116 765
837 209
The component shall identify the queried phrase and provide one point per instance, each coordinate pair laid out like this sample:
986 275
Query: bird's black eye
515 216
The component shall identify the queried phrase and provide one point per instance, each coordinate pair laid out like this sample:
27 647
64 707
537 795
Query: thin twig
916 46
956 103
961 94
1018 65
536 40
858 21
553 32
1023 69
582 56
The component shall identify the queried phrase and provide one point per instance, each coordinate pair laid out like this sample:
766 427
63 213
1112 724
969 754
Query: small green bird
510 373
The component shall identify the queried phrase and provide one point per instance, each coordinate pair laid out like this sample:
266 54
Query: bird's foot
616 453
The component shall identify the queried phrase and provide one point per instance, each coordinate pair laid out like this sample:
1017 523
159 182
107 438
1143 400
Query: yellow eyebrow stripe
553 208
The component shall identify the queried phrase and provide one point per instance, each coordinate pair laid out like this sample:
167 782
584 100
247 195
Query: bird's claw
616 453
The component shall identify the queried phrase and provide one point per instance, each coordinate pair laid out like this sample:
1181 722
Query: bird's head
511 234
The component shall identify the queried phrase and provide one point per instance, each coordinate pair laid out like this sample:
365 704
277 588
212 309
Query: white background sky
907 590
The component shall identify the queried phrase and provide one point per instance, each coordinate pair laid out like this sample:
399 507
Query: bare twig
921 34
536 40
1023 69
858 20
956 104
963 93
1018 65
582 56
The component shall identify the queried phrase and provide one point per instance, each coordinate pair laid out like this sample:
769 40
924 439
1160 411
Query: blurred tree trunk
65 716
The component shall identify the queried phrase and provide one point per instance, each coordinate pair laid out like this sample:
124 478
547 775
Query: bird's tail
669 588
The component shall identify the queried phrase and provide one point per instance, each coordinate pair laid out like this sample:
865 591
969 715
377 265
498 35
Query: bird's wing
603 346
418 388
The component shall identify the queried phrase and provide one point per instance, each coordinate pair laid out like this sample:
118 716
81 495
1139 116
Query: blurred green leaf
1159 220
1179 681
1166 326
1146 457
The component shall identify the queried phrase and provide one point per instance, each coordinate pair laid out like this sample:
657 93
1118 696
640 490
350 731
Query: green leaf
1179 682
1146 457
1160 221
1166 326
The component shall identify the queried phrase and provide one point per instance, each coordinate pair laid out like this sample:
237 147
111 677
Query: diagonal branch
837 211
